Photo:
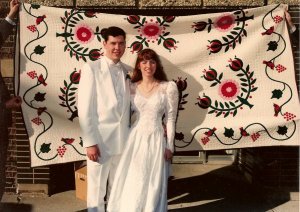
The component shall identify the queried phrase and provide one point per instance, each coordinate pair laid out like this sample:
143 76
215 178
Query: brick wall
269 165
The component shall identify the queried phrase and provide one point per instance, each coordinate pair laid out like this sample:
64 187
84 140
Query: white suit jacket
100 121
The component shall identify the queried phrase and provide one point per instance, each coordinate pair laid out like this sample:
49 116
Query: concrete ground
210 187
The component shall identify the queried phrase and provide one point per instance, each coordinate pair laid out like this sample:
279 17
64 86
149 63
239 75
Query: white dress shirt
10 21
117 76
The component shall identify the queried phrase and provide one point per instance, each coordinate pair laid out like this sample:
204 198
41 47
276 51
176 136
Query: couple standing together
127 164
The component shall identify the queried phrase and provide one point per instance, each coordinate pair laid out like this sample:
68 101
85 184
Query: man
6 102
103 107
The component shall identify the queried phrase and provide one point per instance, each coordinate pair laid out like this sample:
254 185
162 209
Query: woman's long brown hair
148 54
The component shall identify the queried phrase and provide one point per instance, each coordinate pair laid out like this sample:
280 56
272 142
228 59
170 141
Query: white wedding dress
141 178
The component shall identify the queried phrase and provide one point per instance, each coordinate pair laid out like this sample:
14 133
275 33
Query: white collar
111 63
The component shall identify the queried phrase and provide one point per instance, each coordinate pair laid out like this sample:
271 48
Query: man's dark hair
112 31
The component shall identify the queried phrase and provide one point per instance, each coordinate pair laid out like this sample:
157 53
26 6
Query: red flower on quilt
243 132
236 64
90 14
68 96
215 46
32 28
95 54
255 136
41 79
280 68
277 19
277 109
68 140
75 77
288 116
204 103
76 34
84 34
199 26
225 22
169 43
133 19
268 31
40 110
229 89
61 150
233 24
210 132
39 19
169 19
181 86
269 64
239 92
151 31
32 74
37 121
205 140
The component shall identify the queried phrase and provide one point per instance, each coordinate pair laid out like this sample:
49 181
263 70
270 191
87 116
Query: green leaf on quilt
226 114
216 103
45 148
228 132
221 105
35 6
214 84
63 91
220 77
282 130
272 45
276 94
39 49
226 104
232 104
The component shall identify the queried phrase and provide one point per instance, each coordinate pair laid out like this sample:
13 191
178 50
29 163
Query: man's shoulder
127 67
95 65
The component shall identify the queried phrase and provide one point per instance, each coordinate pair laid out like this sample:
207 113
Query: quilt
234 72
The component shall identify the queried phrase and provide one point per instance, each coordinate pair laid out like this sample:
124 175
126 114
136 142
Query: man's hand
14 7
168 154
93 153
13 103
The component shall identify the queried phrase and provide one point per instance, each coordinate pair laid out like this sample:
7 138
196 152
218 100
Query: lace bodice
150 110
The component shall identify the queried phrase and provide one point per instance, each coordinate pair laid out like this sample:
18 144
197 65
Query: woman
142 175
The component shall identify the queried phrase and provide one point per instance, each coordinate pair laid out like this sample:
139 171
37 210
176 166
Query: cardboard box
81 183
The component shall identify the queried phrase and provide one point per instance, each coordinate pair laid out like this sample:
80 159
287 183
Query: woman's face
148 67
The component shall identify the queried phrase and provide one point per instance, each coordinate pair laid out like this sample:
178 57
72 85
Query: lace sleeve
171 113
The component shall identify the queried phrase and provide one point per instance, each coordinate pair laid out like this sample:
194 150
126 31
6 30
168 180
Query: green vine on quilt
36 102
76 35
225 22
235 23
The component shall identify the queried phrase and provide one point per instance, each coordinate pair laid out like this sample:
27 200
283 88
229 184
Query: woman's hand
168 154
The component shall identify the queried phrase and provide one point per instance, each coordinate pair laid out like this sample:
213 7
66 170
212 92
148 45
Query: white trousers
100 176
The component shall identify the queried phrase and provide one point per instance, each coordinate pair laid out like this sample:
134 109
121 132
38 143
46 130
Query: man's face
115 47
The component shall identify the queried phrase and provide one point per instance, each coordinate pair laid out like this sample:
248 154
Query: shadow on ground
15 207
224 189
